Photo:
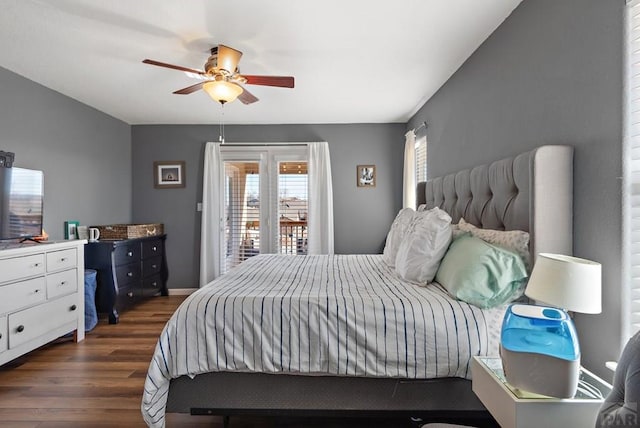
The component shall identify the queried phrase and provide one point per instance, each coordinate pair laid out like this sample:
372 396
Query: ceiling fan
222 79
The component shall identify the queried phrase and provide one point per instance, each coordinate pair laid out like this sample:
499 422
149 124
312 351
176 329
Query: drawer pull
20 329
130 254
154 248
129 274
36 291
130 294
63 259
62 284
73 308
154 284
0 335
36 264
154 266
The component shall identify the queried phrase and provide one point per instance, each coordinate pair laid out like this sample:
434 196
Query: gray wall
551 74
85 154
362 216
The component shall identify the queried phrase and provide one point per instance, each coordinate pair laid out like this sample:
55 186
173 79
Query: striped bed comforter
346 315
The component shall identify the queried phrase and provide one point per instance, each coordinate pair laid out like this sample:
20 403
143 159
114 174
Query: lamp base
541 374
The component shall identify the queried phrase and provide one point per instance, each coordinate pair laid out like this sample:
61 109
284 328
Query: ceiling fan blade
228 58
279 81
190 89
247 97
174 67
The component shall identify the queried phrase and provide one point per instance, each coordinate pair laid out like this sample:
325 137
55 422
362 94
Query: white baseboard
181 291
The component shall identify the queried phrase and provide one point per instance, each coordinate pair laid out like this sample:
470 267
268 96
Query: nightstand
513 408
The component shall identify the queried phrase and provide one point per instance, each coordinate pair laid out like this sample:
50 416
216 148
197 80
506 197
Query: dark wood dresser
129 270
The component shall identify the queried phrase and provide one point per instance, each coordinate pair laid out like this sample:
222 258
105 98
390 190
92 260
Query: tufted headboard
532 192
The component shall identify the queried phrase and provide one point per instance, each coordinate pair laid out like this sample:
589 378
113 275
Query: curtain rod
262 144
422 125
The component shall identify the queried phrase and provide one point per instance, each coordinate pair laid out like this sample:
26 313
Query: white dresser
41 295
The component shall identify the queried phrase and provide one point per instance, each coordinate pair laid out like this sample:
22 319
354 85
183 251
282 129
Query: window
421 158
631 179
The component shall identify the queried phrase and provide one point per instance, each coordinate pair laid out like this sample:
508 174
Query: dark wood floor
98 382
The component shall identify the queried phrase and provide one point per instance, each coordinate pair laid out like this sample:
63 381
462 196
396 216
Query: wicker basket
129 231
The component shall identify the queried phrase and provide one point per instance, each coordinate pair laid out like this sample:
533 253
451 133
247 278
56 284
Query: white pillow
514 240
396 234
425 243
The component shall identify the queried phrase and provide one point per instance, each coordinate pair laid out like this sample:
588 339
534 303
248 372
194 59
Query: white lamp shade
566 282
222 91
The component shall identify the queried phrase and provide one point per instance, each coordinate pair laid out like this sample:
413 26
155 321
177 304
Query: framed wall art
168 174
366 175
71 229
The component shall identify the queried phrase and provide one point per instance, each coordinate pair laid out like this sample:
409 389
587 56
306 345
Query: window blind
631 236
242 213
421 159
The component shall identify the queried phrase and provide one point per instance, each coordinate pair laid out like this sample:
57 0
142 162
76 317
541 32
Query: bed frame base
260 394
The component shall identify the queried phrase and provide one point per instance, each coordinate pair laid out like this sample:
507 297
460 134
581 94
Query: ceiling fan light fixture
222 91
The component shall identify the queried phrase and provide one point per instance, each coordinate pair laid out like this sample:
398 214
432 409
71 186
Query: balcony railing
293 236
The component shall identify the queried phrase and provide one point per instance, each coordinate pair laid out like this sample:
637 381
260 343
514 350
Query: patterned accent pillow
514 240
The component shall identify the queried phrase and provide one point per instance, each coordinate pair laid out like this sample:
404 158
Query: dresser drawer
21 267
61 283
33 322
151 248
60 260
151 266
126 296
127 253
4 334
151 286
22 294
126 274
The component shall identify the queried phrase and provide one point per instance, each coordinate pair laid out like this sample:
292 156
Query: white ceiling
354 61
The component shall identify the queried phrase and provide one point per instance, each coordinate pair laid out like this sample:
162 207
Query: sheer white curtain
211 226
409 179
320 200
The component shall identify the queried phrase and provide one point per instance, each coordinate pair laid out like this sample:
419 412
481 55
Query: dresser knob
63 259
36 290
20 329
129 274
36 264
154 284
0 335
62 284
130 294
73 308
154 266
154 248
130 254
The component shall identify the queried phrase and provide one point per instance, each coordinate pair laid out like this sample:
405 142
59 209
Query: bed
235 346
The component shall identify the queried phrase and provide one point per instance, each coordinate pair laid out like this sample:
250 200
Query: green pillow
481 274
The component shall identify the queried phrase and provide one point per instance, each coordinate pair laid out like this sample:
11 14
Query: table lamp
539 345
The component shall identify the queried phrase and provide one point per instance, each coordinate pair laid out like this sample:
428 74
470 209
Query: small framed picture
168 174
366 175
71 229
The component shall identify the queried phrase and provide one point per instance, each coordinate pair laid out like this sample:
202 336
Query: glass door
265 207
293 204
241 212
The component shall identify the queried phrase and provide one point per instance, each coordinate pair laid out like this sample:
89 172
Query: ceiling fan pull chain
221 137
